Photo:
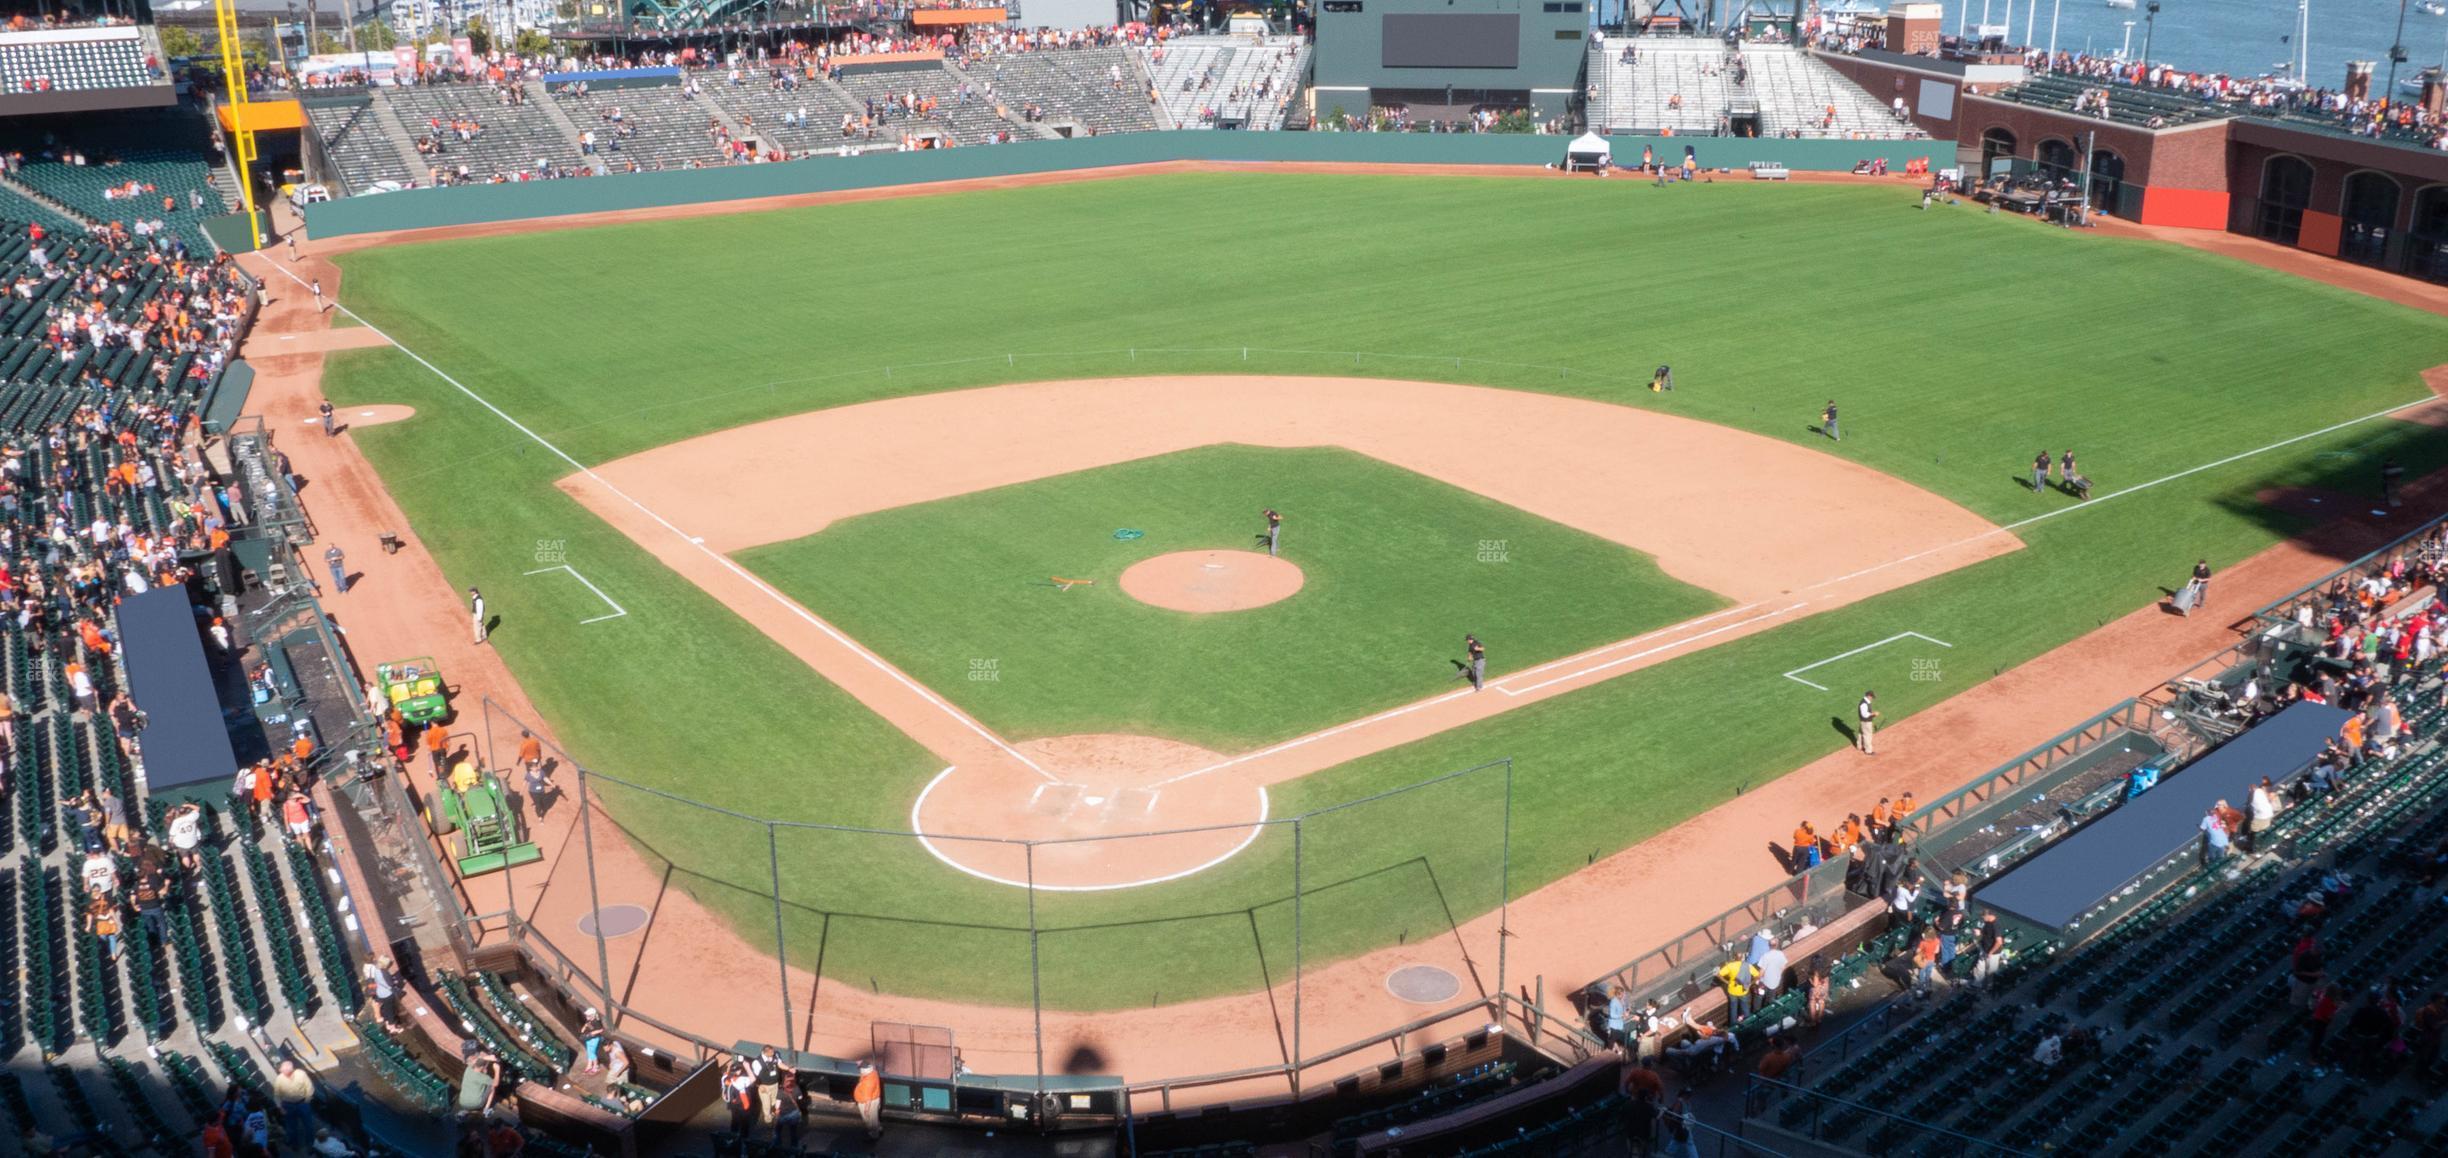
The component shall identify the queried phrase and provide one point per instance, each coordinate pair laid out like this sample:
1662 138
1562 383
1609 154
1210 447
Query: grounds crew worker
1867 727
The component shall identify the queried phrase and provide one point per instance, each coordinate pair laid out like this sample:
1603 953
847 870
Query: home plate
1095 800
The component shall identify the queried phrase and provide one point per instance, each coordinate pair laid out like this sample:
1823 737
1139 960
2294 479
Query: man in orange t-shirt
869 1094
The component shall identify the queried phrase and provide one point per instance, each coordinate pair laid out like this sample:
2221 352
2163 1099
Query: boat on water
2120 3
2427 8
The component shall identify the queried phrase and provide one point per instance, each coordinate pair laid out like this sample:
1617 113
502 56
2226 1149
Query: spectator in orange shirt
437 747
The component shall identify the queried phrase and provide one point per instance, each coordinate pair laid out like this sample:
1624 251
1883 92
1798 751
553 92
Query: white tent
1588 151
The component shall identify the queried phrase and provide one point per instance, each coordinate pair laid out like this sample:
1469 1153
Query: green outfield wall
478 204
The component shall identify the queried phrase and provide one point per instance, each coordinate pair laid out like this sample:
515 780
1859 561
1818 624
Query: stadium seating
1075 85
130 185
2127 104
970 121
759 106
353 138
665 129
515 138
1195 79
2200 1047
44 62
1692 86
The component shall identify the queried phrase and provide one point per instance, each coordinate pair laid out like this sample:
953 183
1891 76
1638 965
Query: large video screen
1453 40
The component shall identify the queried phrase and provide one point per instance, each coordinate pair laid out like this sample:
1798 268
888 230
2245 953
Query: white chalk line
1670 645
876 661
1848 577
927 694
927 841
1796 674
617 609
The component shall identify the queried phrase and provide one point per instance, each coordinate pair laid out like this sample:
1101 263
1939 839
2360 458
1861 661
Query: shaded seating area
2125 104
69 61
353 138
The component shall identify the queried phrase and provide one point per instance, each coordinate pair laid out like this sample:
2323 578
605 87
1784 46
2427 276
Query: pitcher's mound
1111 808
1202 581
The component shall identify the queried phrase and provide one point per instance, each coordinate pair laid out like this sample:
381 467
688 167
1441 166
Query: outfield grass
1768 300
1394 571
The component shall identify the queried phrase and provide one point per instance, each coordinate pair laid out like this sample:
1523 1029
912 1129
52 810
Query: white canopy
1589 144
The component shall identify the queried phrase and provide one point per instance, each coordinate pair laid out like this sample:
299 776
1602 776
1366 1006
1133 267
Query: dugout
1440 60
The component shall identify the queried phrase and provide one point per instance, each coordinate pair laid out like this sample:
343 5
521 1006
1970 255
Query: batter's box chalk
1054 799
1136 802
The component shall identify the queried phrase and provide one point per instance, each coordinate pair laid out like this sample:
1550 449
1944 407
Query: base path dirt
1737 513
1204 582
693 969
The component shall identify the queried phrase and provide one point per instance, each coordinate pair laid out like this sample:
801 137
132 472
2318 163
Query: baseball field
834 465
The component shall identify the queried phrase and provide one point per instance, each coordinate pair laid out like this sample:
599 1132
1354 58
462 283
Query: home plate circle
1423 984
1098 812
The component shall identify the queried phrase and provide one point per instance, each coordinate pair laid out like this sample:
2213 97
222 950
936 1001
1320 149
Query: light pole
2397 54
2125 50
2150 22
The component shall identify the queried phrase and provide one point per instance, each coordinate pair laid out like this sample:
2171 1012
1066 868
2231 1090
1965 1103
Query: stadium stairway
403 142
757 109
553 114
358 143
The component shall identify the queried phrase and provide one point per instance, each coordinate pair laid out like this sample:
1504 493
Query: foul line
940 704
928 842
617 609
1796 674
743 573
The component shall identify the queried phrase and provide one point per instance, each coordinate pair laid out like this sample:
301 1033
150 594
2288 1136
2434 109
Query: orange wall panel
2320 233
2185 208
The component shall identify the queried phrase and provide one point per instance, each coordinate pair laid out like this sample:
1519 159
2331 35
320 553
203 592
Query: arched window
1997 151
2286 189
2367 217
2058 160
2107 182
2426 249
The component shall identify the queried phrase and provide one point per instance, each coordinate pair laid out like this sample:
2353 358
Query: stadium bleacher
68 61
1204 81
761 106
1101 90
965 120
515 138
2126 104
1695 86
657 128
353 138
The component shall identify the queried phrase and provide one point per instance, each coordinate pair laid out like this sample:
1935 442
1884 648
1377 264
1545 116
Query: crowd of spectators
1811 848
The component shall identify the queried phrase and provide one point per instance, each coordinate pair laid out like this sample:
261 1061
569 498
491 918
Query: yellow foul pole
242 134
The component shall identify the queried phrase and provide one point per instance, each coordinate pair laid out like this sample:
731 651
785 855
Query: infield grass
1956 343
1395 568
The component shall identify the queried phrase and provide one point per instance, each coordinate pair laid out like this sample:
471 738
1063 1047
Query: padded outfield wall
480 204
